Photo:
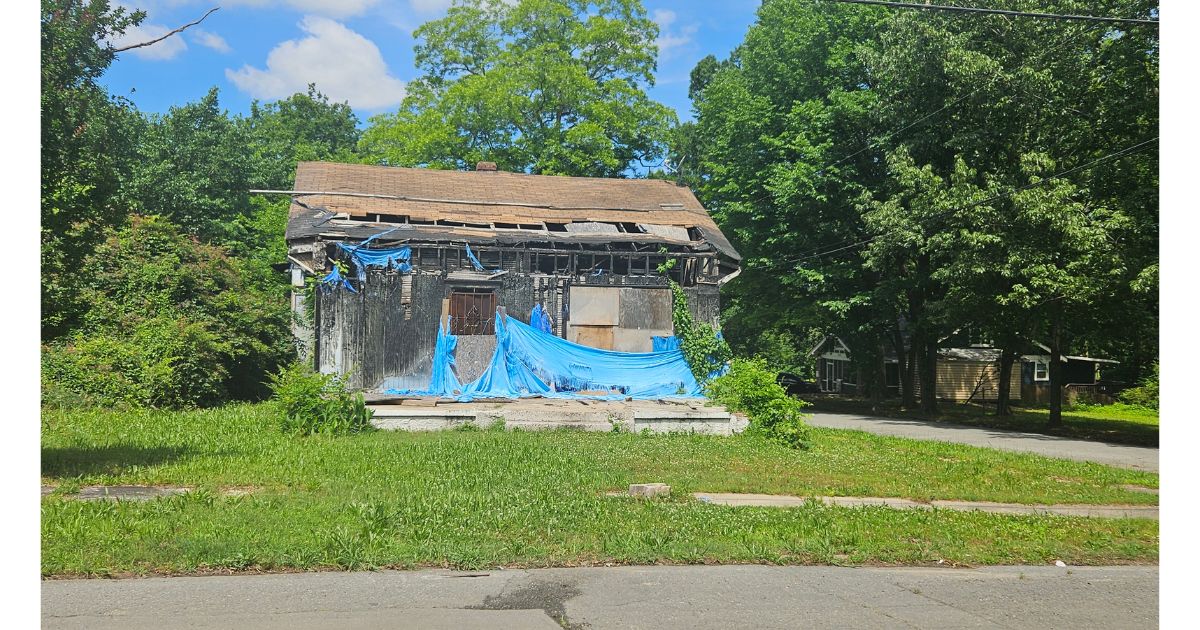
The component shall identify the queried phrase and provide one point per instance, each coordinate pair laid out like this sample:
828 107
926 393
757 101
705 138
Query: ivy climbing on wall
705 351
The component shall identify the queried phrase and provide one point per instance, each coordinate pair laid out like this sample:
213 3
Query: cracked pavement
621 597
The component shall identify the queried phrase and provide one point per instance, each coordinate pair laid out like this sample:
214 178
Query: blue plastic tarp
335 280
397 258
662 344
529 362
539 318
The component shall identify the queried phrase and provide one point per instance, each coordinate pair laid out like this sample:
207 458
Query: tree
88 146
875 165
302 127
195 168
171 322
540 86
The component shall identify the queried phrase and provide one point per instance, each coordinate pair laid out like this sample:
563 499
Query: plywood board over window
619 318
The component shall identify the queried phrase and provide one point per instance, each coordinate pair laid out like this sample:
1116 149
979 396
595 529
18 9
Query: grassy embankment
483 499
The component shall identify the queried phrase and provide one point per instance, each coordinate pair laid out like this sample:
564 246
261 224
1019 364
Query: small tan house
963 373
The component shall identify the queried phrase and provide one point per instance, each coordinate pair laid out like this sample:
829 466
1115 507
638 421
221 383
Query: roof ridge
494 173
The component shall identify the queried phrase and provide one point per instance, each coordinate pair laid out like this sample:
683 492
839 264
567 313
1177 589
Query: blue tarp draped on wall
443 377
539 318
662 344
528 362
395 258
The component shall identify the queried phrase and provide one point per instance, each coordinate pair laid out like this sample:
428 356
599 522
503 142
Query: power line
912 124
957 9
1111 156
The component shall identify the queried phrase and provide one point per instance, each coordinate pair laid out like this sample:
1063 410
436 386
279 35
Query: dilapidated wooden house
594 253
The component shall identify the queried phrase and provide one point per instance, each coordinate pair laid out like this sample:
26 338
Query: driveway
1138 457
620 597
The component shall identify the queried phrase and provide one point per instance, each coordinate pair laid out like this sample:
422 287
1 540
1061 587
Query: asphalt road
748 596
1137 457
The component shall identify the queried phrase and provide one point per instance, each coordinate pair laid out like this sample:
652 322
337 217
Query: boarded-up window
472 313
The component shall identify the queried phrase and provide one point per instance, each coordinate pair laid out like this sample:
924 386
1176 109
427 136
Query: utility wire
957 9
1111 156
911 125
837 246
880 139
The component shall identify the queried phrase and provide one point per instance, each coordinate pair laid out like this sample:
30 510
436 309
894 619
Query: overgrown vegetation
157 285
310 403
895 176
1145 394
705 350
170 322
751 388
483 499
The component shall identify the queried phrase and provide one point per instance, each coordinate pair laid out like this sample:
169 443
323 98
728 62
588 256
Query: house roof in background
485 198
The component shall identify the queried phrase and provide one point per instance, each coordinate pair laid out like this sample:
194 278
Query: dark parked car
796 385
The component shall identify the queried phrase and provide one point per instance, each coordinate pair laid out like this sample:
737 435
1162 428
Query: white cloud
330 8
168 48
667 40
333 8
211 40
429 6
345 66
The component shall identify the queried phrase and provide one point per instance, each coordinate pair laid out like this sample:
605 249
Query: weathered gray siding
383 337
386 330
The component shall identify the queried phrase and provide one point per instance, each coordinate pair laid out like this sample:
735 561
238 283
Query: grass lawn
1119 423
482 499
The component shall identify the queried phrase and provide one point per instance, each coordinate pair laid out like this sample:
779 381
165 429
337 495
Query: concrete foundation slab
691 415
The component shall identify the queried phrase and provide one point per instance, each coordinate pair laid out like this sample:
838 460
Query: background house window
472 313
1041 371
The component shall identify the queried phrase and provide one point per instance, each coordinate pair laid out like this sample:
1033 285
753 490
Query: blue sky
360 51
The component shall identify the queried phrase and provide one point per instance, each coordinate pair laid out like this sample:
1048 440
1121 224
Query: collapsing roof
355 201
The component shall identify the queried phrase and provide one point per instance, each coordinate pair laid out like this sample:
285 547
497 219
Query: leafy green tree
88 145
543 86
875 165
195 169
302 127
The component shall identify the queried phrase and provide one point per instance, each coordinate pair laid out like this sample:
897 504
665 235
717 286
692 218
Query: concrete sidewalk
1137 457
620 597
784 501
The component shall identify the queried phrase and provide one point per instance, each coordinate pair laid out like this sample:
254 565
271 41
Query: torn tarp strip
475 261
397 258
335 280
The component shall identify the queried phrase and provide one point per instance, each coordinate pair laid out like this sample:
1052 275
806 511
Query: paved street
620 597
1138 457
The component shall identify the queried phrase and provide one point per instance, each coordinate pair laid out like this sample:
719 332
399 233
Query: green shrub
160 363
310 403
1145 394
171 322
750 388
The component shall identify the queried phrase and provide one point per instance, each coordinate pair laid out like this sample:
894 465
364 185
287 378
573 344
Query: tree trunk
1056 371
904 367
1004 389
929 376
879 386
